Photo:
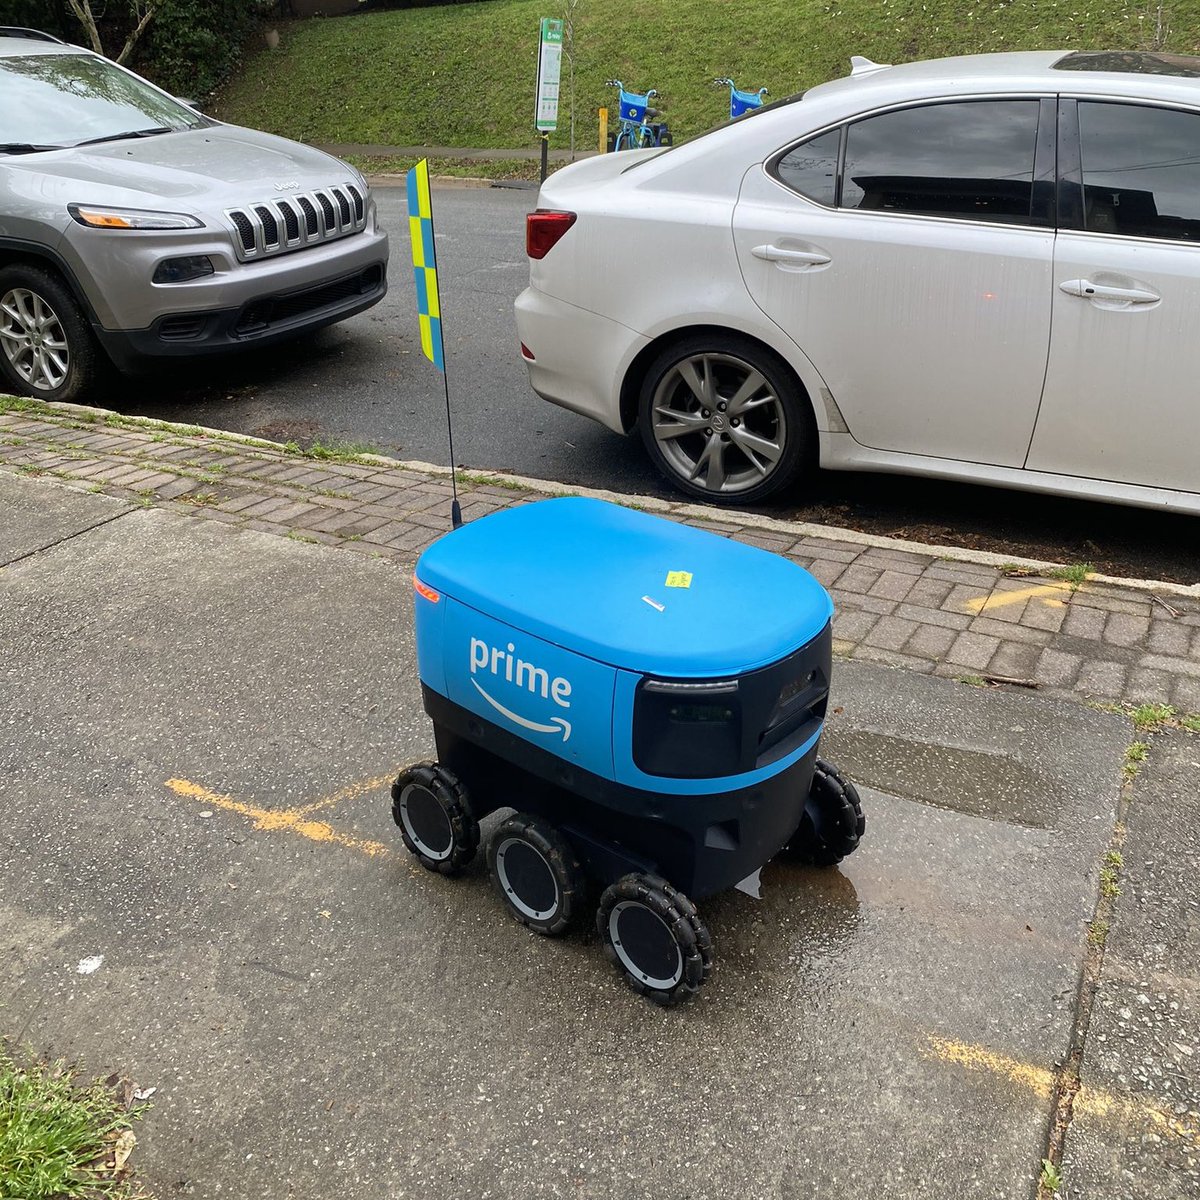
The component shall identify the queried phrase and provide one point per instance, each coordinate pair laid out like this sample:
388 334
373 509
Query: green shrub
49 17
189 48
192 46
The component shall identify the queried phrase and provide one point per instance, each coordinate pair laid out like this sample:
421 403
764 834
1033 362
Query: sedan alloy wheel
723 423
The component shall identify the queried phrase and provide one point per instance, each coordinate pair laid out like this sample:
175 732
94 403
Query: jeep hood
215 167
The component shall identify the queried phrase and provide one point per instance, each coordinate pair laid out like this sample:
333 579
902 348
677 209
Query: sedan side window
967 159
811 168
1141 170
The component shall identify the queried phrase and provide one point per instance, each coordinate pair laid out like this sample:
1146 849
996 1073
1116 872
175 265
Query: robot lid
628 589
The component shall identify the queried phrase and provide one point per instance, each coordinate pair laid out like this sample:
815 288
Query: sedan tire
724 420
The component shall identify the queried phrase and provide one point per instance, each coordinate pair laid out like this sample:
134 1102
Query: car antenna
429 306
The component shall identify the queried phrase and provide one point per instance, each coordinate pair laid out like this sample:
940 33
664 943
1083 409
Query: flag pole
455 508
429 304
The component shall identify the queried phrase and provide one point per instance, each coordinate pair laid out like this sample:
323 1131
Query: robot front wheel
537 874
431 807
653 935
833 822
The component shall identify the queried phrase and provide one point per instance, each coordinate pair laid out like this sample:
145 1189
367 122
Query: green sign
549 72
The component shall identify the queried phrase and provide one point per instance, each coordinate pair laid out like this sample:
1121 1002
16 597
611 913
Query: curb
718 516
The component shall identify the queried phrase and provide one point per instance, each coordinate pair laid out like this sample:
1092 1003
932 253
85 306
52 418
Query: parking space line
1089 1101
1041 1081
1048 593
293 820
346 793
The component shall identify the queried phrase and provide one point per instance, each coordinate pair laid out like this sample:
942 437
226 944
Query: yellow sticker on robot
681 579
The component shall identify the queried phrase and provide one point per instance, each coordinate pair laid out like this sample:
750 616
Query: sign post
549 74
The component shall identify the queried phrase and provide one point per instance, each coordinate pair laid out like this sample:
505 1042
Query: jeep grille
293 222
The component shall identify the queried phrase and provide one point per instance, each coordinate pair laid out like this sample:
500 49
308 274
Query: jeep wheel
46 348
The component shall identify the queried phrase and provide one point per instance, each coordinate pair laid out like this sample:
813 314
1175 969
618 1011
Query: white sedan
982 268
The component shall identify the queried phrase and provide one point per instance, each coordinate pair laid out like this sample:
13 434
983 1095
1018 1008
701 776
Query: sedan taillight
543 228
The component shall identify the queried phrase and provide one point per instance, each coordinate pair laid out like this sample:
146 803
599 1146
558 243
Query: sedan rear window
746 116
811 168
65 99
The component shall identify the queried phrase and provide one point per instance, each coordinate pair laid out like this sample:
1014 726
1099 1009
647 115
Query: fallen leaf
123 1149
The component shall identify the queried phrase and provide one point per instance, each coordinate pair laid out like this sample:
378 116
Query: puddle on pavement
974 782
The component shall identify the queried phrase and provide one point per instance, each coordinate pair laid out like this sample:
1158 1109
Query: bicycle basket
742 102
633 106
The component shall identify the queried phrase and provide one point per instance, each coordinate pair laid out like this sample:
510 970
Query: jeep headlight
97 217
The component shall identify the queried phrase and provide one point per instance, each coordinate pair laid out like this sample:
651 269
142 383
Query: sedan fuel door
908 254
1120 401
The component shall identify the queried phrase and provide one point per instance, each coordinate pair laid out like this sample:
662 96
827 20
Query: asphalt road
365 382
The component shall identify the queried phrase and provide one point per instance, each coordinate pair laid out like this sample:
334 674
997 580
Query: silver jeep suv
133 228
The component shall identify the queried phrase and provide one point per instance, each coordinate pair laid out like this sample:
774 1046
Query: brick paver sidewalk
946 611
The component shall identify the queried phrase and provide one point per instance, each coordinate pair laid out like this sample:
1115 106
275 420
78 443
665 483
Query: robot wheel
432 809
654 936
833 823
537 874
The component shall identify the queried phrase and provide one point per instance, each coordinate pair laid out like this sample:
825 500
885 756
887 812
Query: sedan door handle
1088 290
791 258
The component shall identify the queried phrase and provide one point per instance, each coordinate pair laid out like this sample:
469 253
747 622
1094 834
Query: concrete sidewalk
207 680
949 612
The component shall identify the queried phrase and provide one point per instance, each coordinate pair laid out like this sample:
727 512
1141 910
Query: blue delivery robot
648 697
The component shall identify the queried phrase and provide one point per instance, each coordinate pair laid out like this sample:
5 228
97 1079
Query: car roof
1028 70
724 152
12 46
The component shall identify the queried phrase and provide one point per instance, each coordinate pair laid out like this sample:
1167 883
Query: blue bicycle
637 130
741 102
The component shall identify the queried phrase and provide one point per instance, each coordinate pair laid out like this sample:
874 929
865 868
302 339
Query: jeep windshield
53 101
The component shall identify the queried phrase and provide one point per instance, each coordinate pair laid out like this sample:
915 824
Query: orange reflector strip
423 589
104 220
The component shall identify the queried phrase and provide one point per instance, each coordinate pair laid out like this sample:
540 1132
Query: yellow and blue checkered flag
420 227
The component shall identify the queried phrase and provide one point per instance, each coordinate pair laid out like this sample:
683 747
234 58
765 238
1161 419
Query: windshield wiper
132 133
24 148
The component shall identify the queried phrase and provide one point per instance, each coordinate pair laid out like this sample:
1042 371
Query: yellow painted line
1040 1081
347 793
293 820
1128 1111
1047 593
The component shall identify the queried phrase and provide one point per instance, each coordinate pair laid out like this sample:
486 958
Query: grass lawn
60 1140
464 75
